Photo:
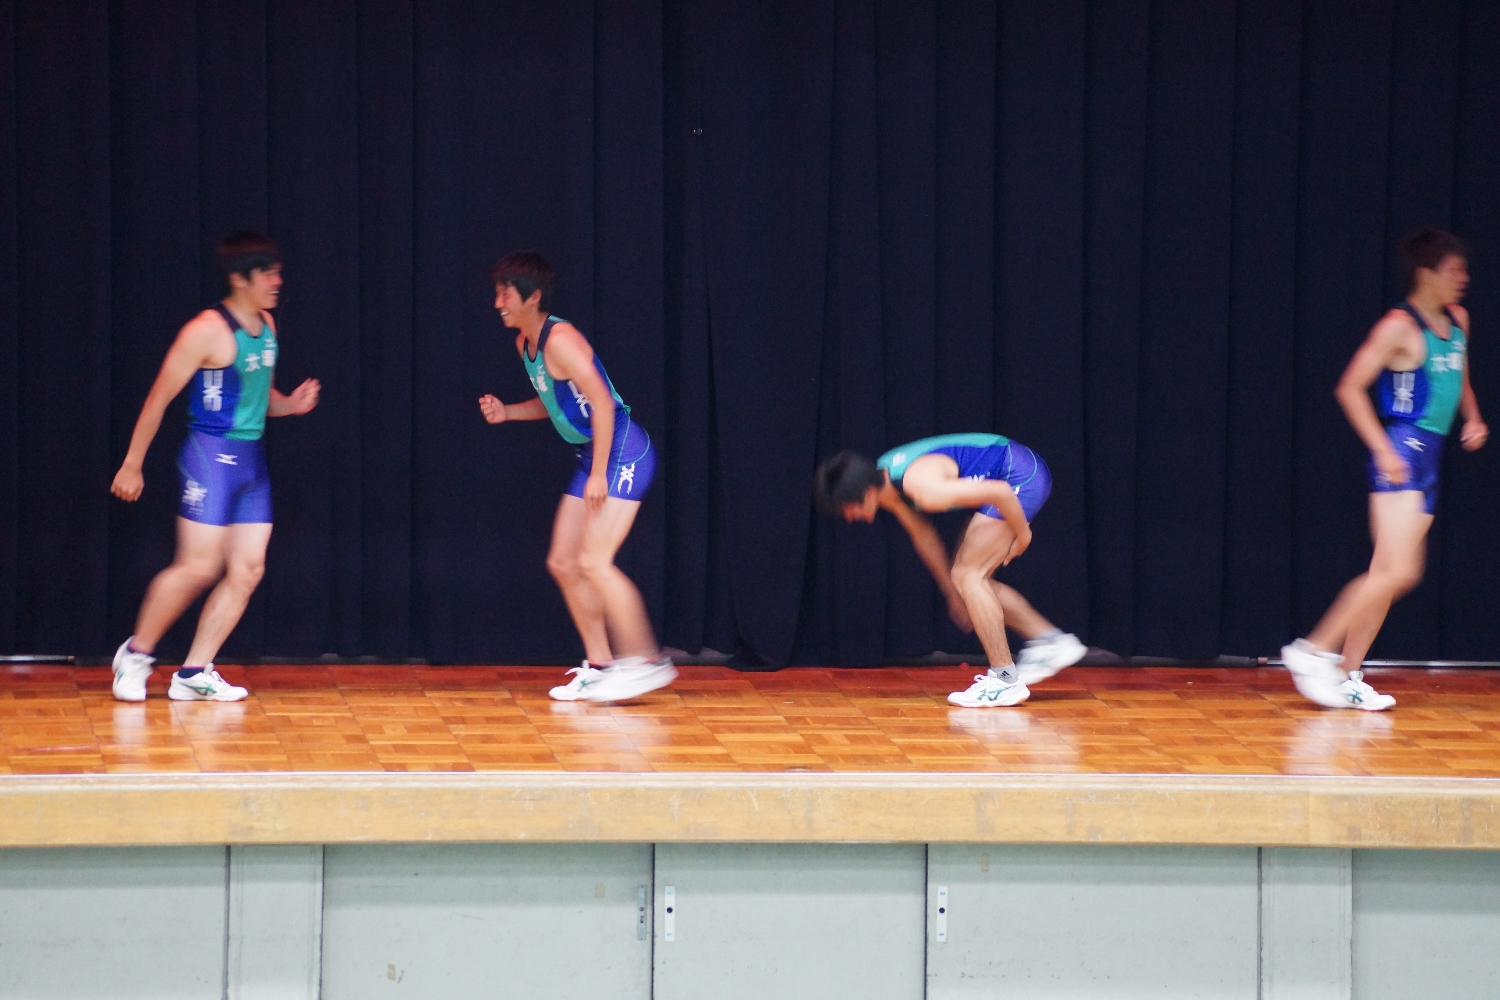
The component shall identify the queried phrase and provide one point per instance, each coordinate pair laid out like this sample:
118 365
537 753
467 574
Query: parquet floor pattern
56 720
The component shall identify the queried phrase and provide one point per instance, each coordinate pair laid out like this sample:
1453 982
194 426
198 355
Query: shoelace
1357 677
584 671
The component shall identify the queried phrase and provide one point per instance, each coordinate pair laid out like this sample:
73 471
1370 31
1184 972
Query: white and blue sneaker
583 676
1044 658
206 685
629 678
1356 693
990 691
1320 679
132 670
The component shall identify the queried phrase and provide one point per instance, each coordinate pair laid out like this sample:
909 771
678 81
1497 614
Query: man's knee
247 572
594 566
1398 579
564 568
966 577
203 570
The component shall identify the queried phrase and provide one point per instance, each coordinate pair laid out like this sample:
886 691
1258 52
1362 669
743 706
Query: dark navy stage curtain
1143 238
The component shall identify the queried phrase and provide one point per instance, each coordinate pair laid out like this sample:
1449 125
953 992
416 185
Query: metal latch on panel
669 924
940 925
640 913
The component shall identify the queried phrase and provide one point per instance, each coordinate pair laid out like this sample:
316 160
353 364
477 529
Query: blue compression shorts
224 481
1028 475
632 462
1423 452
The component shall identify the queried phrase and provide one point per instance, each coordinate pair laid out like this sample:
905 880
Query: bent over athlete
1006 484
225 357
1417 355
599 507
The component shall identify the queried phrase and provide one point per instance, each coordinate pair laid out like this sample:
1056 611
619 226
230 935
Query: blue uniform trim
224 481
213 398
1423 451
1427 396
1028 475
567 406
981 456
632 462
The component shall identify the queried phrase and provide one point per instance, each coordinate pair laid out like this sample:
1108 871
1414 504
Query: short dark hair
1428 248
844 479
243 251
526 271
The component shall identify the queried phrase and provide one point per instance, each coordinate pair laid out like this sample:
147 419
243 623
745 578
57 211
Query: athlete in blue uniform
600 505
1417 356
1006 484
225 357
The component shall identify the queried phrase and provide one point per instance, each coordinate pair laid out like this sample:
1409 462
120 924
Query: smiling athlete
225 356
600 505
1006 484
1418 356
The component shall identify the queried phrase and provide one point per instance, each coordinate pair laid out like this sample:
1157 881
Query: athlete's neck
1432 307
531 328
246 312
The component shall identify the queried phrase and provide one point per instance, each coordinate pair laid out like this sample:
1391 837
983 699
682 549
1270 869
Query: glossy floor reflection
369 718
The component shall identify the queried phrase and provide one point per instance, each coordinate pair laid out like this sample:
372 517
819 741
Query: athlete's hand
595 492
304 397
959 612
128 483
1392 467
1021 544
1474 435
492 408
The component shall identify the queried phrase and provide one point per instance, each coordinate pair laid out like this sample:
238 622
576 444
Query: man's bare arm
1475 432
497 412
938 494
301 400
934 555
1353 393
193 349
571 358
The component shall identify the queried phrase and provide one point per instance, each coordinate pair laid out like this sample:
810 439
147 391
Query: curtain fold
1143 239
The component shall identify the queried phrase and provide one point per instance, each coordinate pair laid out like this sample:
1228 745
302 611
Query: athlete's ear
535 299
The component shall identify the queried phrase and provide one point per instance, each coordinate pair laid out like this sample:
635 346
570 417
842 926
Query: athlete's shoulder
203 340
1462 315
561 328
269 320
566 341
1396 326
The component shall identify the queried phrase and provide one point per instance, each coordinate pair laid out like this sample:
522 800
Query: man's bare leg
624 610
1026 620
584 601
244 559
984 545
1334 625
198 563
1400 526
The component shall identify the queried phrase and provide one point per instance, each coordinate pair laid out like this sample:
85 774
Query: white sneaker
1317 674
1044 658
630 678
1355 693
989 691
204 686
583 676
131 673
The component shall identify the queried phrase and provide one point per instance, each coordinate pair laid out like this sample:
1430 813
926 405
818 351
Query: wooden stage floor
62 720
